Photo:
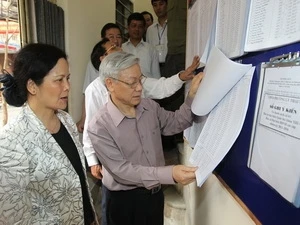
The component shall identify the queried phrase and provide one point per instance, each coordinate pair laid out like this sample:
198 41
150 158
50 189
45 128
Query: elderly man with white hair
126 136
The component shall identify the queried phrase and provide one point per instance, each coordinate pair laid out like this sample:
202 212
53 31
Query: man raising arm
96 96
126 135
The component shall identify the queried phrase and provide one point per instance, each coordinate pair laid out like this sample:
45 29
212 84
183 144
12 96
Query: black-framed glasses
134 84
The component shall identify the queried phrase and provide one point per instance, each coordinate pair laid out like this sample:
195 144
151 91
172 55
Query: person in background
149 21
42 168
177 18
148 18
144 51
113 32
133 162
96 96
175 61
157 33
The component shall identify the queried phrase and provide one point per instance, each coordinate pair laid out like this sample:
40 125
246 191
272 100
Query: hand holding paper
195 85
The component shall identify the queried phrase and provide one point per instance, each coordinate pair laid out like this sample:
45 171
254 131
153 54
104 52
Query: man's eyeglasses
109 49
134 84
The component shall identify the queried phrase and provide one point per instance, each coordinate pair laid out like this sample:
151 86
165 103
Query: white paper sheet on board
272 24
274 151
221 129
221 74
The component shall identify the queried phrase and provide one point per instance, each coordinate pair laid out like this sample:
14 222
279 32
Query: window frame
123 9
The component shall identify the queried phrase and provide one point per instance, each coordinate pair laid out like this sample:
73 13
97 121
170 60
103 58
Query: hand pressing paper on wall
221 74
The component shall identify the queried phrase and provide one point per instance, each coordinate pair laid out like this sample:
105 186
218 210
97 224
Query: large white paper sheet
221 129
193 33
200 21
221 74
231 26
210 43
192 133
272 24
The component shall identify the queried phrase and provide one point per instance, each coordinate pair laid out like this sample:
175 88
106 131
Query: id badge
161 52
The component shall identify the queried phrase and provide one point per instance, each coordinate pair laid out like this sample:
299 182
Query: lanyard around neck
162 32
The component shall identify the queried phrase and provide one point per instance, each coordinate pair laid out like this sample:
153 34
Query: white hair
114 63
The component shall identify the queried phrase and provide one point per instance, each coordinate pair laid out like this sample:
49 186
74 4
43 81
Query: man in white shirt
144 51
157 32
113 33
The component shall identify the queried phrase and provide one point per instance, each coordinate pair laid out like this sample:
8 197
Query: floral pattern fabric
38 184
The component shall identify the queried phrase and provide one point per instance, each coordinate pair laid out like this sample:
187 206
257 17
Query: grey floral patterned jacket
38 184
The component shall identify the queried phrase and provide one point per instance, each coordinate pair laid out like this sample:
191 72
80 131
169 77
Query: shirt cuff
92 160
165 175
178 78
188 101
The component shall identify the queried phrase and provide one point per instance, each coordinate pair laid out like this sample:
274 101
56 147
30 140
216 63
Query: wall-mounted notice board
274 150
253 32
270 207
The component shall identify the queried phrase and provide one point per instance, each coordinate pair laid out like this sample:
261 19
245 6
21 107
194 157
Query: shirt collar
157 24
129 42
140 109
117 116
114 112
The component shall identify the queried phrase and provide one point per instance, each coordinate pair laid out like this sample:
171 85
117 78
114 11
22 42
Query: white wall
83 22
143 5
